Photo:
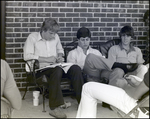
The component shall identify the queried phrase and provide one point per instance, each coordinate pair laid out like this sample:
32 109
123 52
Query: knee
58 70
143 68
118 71
90 56
75 68
87 87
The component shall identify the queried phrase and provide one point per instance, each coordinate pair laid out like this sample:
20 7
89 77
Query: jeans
77 81
93 92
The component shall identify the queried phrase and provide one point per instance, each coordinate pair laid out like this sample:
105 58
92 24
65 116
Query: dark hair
83 32
50 24
146 17
128 30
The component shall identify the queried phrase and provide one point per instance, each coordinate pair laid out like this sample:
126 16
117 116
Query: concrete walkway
30 111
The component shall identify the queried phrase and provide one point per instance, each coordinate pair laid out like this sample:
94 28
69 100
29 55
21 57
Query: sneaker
57 113
143 114
105 105
139 113
65 105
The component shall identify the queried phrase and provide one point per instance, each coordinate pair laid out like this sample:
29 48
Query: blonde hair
51 25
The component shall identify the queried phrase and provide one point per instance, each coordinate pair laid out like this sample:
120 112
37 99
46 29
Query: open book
64 66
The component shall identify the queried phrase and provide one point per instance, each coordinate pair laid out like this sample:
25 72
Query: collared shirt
35 46
78 57
118 54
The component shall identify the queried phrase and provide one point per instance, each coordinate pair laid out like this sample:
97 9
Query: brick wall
103 18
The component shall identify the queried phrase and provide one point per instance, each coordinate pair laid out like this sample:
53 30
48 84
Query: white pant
93 91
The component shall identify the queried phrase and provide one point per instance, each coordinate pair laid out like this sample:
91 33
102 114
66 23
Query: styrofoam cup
35 102
36 94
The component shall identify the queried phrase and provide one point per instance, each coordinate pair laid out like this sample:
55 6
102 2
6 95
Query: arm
140 59
139 90
112 54
59 47
29 49
71 57
11 92
60 50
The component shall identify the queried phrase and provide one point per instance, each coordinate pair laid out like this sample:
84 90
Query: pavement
29 111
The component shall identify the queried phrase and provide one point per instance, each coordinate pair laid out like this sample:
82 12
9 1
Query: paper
64 66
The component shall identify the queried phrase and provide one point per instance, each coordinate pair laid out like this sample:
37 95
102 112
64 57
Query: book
64 66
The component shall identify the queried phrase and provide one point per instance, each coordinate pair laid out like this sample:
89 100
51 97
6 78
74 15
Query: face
126 39
84 42
48 35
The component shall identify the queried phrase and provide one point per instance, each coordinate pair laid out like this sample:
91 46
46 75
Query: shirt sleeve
71 57
29 48
112 54
59 45
140 59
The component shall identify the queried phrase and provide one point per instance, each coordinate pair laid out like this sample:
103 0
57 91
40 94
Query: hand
52 59
49 60
60 59
132 81
121 83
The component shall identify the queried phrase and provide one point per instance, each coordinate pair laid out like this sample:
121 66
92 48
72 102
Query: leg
112 95
115 75
75 75
140 71
54 76
94 64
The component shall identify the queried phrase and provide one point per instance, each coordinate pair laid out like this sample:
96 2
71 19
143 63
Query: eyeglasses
84 39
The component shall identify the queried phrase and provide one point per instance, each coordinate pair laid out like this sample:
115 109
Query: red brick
112 15
44 4
66 10
106 19
92 19
29 15
65 19
13 14
86 5
126 6
29 4
21 19
58 4
79 19
36 9
58 15
72 14
72 4
113 5
99 15
119 19
80 10
10 3
21 9
36 20
51 9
